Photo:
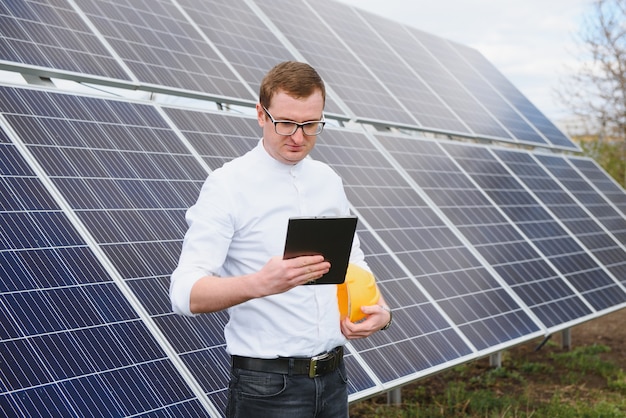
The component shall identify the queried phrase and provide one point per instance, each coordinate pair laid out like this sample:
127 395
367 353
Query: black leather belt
315 366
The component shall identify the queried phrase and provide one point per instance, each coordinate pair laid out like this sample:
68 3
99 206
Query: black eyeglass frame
297 125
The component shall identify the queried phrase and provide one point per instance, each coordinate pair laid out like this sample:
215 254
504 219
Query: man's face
293 148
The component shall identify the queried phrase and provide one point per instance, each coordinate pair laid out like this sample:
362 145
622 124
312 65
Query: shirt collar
270 161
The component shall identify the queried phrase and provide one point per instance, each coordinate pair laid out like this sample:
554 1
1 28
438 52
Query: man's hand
212 294
377 317
279 275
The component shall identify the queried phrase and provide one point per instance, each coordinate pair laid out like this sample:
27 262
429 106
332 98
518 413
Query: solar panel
601 181
582 270
482 221
71 343
435 261
476 248
129 179
516 99
480 89
341 70
389 66
51 35
162 47
584 212
243 39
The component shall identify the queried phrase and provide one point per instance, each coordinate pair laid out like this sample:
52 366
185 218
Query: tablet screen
329 236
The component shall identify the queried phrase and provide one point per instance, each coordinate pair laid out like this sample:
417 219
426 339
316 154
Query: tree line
596 91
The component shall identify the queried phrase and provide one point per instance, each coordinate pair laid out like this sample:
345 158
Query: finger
307 260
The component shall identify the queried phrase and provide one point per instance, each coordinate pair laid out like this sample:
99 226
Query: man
232 259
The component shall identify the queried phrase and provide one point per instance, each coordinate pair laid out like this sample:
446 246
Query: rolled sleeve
204 246
180 291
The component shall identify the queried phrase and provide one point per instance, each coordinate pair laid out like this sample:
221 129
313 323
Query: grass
558 384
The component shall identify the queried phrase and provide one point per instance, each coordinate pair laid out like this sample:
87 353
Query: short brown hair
297 79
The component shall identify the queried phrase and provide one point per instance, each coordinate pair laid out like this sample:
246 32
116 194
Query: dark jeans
259 394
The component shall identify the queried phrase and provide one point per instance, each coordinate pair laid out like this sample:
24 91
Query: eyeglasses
289 127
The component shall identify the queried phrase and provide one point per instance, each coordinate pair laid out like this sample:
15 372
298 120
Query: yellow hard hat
359 289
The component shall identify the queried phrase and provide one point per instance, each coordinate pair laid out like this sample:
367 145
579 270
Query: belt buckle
314 361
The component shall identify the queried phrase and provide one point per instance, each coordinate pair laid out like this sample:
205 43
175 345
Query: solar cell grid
516 99
243 39
217 138
129 186
602 231
162 48
71 343
428 249
476 85
486 227
588 197
240 36
429 105
389 66
51 34
459 97
420 339
552 238
601 181
354 85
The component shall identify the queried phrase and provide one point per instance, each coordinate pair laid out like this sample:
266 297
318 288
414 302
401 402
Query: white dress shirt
238 223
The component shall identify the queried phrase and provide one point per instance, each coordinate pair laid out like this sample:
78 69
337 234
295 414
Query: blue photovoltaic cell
216 138
340 69
480 88
601 181
391 67
51 34
413 45
489 231
129 179
420 339
569 257
244 40
466 292
162 48
516 99
70 342
596 224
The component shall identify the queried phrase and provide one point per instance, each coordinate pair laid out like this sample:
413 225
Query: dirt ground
607 331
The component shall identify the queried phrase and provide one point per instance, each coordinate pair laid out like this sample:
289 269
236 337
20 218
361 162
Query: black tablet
329 236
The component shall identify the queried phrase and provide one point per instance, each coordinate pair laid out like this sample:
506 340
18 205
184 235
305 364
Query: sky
532 42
